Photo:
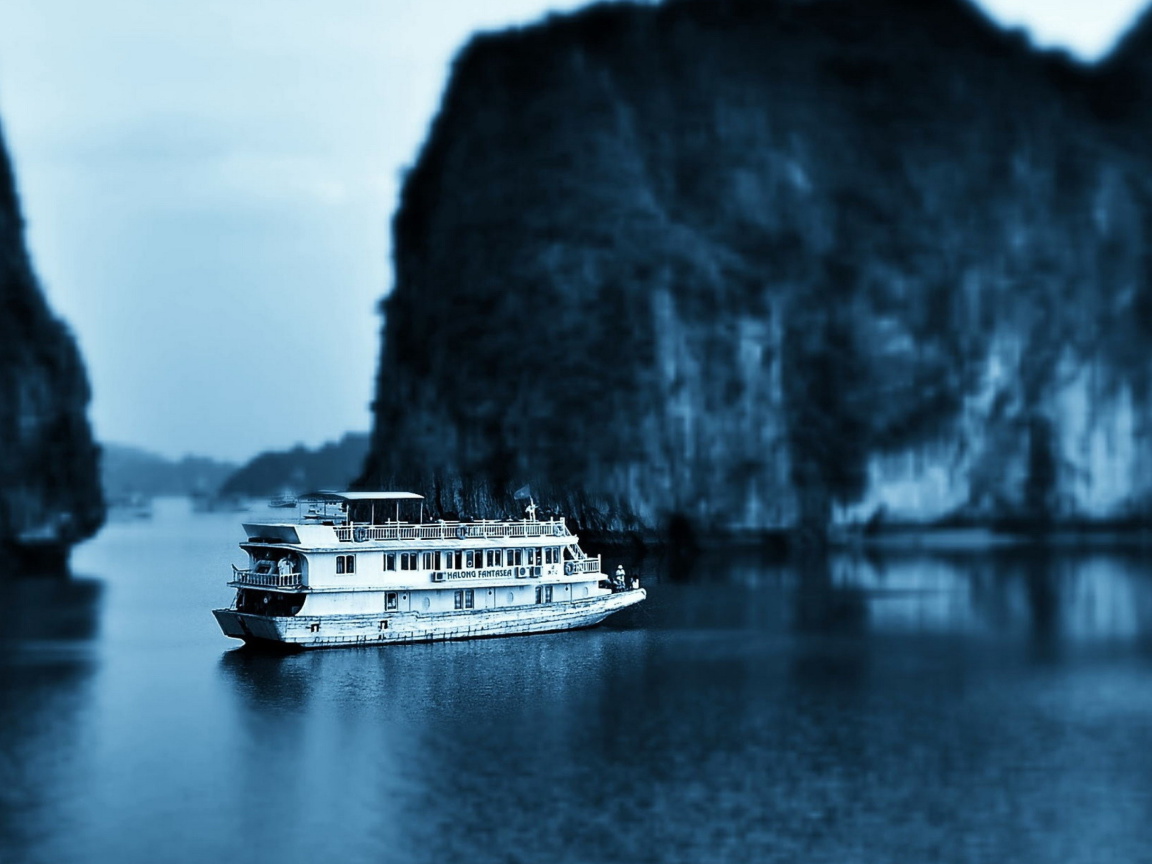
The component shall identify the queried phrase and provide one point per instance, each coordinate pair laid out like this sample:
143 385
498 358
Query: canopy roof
330 496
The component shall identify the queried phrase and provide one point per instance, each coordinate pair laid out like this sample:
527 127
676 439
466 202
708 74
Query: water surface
977 707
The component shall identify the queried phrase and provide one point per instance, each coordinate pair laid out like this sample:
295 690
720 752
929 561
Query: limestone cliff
50 495
774 264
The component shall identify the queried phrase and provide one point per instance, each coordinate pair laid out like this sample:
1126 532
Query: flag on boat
522 493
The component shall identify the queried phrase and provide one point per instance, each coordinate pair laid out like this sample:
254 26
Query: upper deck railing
483 530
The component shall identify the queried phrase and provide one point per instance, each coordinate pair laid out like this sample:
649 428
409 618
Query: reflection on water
976 707
47 658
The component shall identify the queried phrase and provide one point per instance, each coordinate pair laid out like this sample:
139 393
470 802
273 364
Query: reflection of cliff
768 264
49 489
1055 597
47 661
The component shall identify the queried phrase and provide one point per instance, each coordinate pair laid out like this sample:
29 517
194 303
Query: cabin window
345 564
543 593
389 560
550 555
469 562
465 599
457 559
537 555
515 557
428 560
391 604
408 560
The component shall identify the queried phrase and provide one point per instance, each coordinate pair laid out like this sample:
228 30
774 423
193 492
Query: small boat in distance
285 501
348 574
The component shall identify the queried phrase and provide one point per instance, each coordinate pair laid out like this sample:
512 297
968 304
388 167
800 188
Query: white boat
346 574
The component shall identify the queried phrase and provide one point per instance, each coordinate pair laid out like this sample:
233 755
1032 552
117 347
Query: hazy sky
208 186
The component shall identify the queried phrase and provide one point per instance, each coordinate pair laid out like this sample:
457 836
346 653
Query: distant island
127 471
331 466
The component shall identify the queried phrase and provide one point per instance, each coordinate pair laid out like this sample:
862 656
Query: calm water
920 708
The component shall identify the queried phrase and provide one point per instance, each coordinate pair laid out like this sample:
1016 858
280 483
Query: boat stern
250 628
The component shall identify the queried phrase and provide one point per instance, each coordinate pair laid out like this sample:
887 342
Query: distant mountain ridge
127 470
776 264
331 466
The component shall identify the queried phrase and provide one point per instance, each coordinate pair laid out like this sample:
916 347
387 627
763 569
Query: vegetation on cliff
50 494
774 264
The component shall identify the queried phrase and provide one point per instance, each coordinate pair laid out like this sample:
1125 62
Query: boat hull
331 631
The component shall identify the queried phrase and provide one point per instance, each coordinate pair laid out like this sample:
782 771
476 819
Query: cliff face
774 264
49 488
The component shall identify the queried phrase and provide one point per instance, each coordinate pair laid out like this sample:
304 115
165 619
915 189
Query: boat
351 571
284 501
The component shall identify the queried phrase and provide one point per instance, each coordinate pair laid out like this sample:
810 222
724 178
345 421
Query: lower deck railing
582 565
267 580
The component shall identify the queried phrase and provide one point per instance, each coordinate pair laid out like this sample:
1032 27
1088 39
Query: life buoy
461 532
558 530
359 533
569 567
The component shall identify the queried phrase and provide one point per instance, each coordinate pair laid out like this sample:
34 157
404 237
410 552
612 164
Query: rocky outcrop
50 494
775 264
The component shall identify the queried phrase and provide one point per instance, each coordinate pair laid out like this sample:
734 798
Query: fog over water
984 706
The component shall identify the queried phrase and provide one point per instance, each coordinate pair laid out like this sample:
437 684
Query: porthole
511 597
427 603
585 590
